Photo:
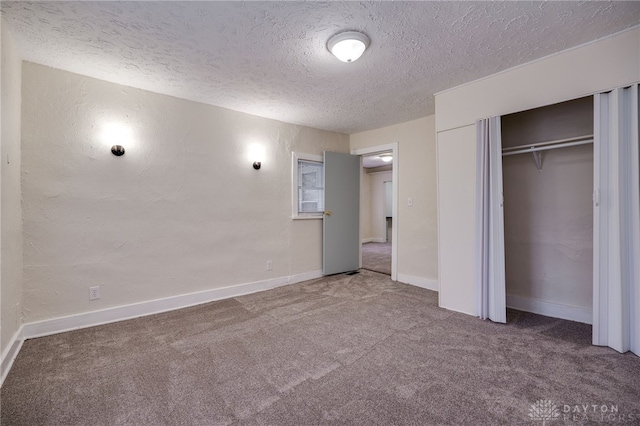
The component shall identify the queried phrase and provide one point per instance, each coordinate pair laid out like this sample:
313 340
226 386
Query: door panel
341 223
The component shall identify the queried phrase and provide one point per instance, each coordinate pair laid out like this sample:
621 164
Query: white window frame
295 157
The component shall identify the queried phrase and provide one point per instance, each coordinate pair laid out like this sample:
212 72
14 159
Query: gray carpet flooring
377 257
341 350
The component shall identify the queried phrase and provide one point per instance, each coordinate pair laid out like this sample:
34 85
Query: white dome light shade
348 46
386 157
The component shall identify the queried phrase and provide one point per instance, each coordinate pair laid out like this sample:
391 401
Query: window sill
306 217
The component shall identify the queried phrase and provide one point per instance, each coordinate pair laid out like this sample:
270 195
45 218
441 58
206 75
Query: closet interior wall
548 213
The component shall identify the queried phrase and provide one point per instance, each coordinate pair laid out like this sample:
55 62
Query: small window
308 190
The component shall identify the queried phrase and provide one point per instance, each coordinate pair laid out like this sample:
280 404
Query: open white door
341 223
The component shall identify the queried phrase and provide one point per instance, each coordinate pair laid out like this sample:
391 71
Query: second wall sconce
117 150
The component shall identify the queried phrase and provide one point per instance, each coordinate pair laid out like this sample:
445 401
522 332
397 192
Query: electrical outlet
94 292
269 265
409 202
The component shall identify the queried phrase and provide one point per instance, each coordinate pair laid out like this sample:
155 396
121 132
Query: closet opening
547 169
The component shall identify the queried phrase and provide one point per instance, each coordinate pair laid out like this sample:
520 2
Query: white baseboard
373 240
150 307
419 282
305 276
11 353
550 309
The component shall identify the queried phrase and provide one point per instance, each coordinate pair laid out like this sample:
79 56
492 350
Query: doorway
378 209
376 214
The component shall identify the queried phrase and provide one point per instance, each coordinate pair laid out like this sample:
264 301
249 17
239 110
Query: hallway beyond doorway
377 257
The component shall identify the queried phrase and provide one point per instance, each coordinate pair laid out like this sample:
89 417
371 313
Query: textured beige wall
182 211
601 65
417 234
11 212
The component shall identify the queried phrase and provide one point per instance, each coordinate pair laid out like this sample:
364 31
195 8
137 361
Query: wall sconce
117 150
114 130
256 154
348 46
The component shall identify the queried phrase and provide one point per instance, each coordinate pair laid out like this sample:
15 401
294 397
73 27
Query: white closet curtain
616 271
489 268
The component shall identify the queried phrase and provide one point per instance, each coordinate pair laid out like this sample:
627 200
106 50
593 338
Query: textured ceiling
270 58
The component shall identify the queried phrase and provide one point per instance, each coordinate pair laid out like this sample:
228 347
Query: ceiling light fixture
386 157
348 46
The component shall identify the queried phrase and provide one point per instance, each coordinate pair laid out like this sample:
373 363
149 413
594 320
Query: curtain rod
537 144
556 145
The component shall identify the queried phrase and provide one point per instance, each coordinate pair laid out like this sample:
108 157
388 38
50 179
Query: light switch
409 202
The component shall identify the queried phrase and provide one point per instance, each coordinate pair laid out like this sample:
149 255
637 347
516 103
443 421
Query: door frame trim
393 147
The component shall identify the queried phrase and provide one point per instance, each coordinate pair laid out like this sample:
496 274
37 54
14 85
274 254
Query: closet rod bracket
537 157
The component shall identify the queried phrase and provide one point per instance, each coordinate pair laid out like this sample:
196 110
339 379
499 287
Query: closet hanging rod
537 144
547 147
